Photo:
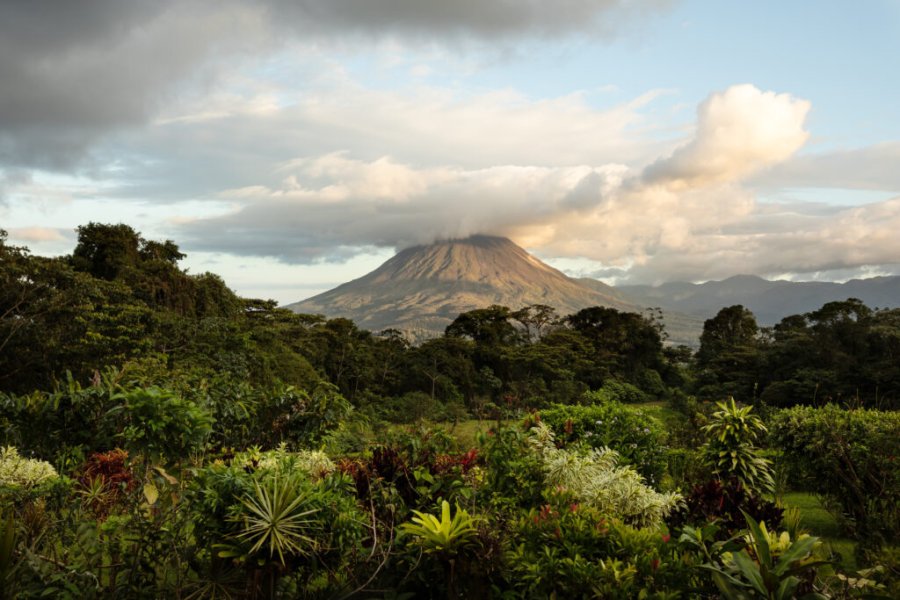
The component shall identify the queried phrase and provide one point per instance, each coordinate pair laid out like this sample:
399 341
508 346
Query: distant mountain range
770 301
422 289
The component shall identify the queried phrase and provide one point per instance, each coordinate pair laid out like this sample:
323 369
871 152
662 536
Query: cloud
233 143
687 215
10 179
39 234
739 131
869 168
338 202
74 72
778 242
486 19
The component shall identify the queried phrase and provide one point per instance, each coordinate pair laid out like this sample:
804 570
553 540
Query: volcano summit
423 288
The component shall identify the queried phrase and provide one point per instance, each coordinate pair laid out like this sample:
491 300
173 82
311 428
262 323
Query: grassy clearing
821 523
659 410
466 432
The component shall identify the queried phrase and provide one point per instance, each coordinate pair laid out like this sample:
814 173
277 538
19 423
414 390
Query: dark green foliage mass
850 458
197 444
628 431
844 352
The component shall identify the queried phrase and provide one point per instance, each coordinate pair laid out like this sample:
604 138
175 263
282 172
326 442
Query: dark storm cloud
73 71
55 91
487 19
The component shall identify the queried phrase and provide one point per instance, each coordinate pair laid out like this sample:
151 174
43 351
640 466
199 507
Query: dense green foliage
162 437
844 352
730 449
636 437
850 458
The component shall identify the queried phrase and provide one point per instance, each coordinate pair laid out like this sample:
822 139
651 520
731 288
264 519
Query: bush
277 514
514 473
568 550
633 434
730 449
161 425
850 458
596 479
723 502
411 407
614 390
18 472
51 424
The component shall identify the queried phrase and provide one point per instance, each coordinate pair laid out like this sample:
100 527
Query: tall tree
729 359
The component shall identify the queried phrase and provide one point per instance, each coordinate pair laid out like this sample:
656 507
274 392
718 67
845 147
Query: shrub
160 425
302 418
105 479
614 390
18 472
411 407
850 458
564 549
633 434
514 473
596 479
273 518
51 424
771 566
730 449
726 503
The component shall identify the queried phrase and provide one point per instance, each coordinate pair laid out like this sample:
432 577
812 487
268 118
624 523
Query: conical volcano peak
479 258
423 288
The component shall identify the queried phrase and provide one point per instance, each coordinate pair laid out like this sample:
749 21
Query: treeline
845 352
121 300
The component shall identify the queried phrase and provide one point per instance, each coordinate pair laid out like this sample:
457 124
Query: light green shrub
850 458
18 472
596 479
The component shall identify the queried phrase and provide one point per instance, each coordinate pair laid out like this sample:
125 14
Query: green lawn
659 410
467 431
821 523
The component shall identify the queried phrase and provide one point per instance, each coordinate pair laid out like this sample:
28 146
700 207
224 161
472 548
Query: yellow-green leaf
151 493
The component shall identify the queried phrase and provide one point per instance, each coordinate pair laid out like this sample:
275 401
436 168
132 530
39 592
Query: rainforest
162 437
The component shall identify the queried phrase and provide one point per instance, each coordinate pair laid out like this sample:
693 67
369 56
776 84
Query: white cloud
867 168
688 215
739 131
39 234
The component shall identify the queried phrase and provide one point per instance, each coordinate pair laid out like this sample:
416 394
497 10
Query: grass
466 432
659 410
821 523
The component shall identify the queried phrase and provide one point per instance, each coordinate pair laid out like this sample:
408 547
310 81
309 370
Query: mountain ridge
769 300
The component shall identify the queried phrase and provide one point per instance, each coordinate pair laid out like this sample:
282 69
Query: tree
625 344
486 326
729 359
536 319
105 251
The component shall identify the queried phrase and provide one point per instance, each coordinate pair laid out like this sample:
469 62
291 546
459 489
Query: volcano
423 288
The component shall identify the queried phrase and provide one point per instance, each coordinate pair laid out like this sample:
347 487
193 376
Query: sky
292 145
